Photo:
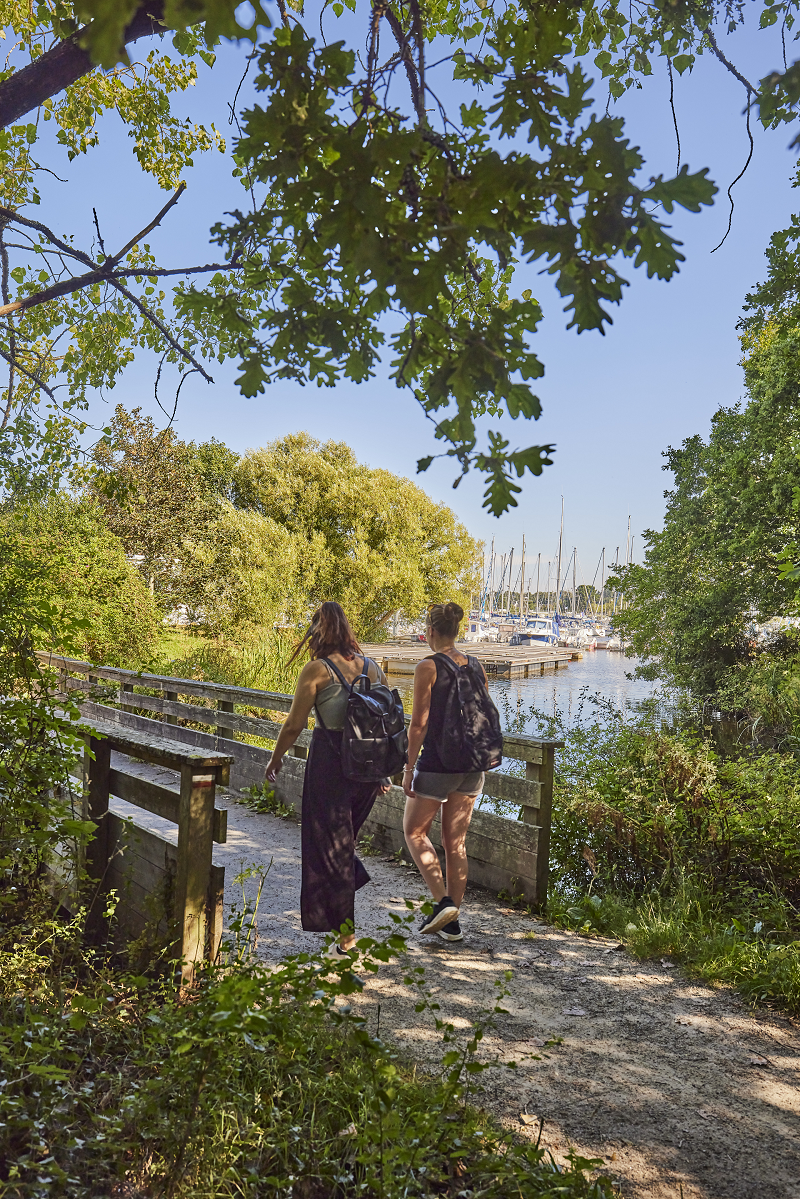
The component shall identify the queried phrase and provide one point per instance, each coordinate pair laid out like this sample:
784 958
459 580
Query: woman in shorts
430 788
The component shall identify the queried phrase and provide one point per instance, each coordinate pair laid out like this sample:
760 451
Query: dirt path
678 1087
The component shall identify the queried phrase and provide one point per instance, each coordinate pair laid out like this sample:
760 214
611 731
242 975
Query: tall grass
261 662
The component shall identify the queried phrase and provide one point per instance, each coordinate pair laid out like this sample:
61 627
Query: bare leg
456 815
417 821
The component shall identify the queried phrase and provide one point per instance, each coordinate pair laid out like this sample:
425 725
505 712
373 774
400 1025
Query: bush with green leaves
264 1082
38 745
660 840
81 573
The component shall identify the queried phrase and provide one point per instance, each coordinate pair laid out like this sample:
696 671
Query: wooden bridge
229 728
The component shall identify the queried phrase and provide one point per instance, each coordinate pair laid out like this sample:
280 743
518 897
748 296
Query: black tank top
429 760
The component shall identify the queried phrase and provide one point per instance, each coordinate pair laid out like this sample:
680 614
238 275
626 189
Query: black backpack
471 737
374 740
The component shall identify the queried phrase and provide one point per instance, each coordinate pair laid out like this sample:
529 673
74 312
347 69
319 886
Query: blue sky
611 404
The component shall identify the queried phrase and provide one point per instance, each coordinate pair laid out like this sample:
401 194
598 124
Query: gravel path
680 1088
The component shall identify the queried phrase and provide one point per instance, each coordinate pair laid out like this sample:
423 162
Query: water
559 692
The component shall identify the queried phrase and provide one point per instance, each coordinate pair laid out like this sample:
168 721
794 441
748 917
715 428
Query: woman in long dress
431 788
334 808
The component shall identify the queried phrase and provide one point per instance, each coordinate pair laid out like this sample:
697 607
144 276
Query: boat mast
574 566
521 580
627 563
538 568
558 569
508 591
616 593
489 579
603 584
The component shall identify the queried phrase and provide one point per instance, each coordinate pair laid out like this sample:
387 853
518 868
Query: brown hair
445 618
329 633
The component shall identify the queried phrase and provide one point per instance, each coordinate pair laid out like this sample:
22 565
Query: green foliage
660 841
310 524
84 339
155 490
372 212
99 607
267 1083
261 662
715 566
263 799
39 808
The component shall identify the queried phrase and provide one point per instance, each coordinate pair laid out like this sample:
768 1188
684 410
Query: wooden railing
504 854
173 891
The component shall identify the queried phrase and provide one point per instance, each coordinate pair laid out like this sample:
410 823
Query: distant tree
331 528
156 490
85 579
586 597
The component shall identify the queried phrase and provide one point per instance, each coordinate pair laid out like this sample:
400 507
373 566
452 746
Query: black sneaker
444 911
451 932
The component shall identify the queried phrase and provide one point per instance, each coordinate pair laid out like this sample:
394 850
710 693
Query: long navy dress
334 810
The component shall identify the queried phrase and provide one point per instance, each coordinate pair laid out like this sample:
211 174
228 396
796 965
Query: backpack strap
332 666
350 686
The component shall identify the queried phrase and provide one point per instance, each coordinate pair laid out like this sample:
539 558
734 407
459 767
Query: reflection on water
559 692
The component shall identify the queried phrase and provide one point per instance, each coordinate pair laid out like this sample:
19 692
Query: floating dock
499 661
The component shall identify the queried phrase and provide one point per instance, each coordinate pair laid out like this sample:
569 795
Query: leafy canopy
391 193
308 523
374 213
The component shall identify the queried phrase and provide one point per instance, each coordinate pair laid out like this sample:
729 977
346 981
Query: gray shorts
439 786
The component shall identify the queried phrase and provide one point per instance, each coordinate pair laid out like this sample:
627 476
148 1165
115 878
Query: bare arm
305 696
424 678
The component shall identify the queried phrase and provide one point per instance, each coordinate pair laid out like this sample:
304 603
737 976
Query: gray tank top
331 702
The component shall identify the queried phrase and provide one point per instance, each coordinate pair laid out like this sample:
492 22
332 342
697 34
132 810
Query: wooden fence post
95 807
545 814
193 877
170 695
224 705
125 688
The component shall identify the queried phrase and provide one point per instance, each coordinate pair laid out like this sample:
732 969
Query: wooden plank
224 730
247 768
216 911
245 696
159 799
505 786
129 867
159 750
254 725
96 765
151 846
545 775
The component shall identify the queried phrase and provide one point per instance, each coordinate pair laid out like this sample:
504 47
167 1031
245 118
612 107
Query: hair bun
454 611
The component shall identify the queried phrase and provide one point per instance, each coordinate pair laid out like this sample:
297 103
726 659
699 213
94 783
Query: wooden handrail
533 793
518 746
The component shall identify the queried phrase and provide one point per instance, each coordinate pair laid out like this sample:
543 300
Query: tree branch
181 188
726 63
22 371
77 282
408 61
65 64
151 316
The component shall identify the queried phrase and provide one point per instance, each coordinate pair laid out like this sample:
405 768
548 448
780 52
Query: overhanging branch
65 64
